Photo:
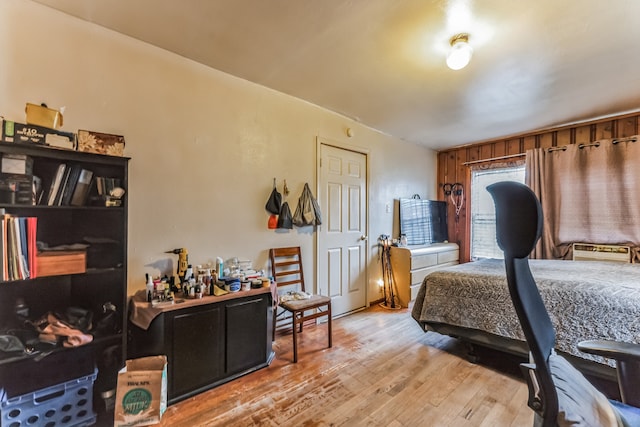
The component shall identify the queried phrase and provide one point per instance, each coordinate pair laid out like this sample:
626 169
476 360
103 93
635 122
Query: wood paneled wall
452 168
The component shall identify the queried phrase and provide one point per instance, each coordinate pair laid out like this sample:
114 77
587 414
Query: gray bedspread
585 300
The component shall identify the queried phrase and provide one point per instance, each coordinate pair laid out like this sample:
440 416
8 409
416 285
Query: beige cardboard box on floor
141 395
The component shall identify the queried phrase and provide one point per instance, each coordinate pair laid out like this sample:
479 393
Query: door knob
364 237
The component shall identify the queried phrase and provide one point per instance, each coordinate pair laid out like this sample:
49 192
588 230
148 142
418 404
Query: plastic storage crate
65 404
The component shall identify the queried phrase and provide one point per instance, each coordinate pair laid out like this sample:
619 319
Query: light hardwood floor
382 371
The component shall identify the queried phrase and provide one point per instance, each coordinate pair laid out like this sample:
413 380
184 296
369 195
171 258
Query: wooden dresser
411 264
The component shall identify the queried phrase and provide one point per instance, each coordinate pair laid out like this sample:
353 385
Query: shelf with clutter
63 258
211 328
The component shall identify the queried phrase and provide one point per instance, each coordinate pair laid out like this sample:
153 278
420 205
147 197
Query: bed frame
585 299
475 337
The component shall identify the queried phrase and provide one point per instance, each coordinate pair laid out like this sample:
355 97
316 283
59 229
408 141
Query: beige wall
204 145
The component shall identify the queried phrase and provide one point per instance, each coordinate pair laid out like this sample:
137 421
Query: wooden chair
286 269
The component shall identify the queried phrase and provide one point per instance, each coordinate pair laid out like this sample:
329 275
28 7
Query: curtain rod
493 159
550 149
594 144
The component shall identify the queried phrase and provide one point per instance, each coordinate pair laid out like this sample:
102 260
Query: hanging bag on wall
274 202
285 220
272 223
308 210
298 219
273 207
316 207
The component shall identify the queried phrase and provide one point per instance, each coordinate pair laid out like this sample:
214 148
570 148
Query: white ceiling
536 64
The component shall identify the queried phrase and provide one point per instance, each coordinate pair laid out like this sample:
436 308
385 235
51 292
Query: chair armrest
622 351
627 357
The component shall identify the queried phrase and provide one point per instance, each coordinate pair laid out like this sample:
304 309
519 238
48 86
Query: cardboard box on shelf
41 115
56 263
16 163
17 189
33 134
101 143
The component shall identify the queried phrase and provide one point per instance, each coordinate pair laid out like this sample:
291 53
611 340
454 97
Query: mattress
585 300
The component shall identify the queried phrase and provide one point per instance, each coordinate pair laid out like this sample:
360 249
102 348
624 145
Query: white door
342 241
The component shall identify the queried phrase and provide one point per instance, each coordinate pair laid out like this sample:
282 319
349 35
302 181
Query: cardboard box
16 189
33 134
56 263
101 143
17 164
41 115
141 394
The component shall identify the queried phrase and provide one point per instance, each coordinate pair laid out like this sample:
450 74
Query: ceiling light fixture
460 53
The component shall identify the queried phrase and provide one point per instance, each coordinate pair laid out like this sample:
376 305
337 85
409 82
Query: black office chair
558 393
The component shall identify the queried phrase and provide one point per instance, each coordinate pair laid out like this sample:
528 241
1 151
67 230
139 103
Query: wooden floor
382 371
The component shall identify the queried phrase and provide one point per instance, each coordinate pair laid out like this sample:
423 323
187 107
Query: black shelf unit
105 280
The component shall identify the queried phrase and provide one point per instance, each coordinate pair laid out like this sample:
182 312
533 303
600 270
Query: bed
585 300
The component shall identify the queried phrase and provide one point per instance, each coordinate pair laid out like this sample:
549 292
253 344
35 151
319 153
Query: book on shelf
22 246
70 185
106 184
5 265
12 250
81 192
63 184
20 223
18 246
36 190
55 184
32 228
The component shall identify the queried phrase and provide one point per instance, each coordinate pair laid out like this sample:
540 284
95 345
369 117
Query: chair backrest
286 267
518 228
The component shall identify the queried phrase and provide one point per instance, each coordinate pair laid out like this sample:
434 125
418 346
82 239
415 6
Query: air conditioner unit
594 252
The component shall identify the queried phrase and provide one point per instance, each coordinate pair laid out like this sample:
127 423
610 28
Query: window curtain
589 193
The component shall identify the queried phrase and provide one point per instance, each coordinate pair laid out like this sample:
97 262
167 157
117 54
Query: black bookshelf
104 284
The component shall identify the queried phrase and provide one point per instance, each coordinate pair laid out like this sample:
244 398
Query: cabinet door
246 334
198 349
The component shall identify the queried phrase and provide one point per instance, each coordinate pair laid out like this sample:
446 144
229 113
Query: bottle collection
205 281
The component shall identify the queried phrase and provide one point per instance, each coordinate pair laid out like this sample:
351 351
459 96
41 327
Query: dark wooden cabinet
246 325
197 348
102 285
208 344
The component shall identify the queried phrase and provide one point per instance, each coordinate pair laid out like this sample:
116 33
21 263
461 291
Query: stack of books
70 186
19 251
105 186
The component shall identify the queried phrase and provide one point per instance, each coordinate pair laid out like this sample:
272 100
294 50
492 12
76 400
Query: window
483 214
